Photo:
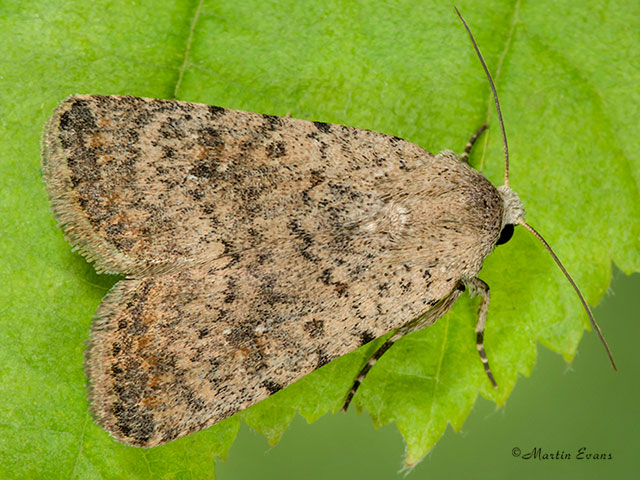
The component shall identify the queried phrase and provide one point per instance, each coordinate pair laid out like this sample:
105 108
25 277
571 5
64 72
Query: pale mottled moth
256 249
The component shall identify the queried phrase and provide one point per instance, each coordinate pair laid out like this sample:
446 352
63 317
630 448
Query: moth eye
505 234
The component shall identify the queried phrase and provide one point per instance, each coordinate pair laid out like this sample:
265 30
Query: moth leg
426 319
478 287
464 157
370 363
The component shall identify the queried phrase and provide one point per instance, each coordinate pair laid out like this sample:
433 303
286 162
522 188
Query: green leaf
567 79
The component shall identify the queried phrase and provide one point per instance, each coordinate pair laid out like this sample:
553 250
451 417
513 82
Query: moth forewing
271 273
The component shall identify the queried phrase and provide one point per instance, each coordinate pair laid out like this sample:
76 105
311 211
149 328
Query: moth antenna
495 98
575 287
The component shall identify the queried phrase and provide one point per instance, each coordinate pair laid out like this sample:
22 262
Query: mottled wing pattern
257 248
154 183
174 353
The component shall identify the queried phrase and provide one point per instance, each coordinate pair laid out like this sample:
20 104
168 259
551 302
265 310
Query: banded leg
426 319
467 149
370 363
478 287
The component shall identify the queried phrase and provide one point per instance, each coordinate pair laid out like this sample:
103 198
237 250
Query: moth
256 249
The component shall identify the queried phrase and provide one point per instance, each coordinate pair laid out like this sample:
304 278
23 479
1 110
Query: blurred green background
560 407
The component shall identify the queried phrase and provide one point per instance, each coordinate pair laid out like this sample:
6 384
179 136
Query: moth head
513 213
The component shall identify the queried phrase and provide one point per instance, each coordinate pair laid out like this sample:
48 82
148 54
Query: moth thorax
513 208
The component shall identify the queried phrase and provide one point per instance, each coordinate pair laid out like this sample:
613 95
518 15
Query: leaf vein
185 61
81 443
496 77
436 381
